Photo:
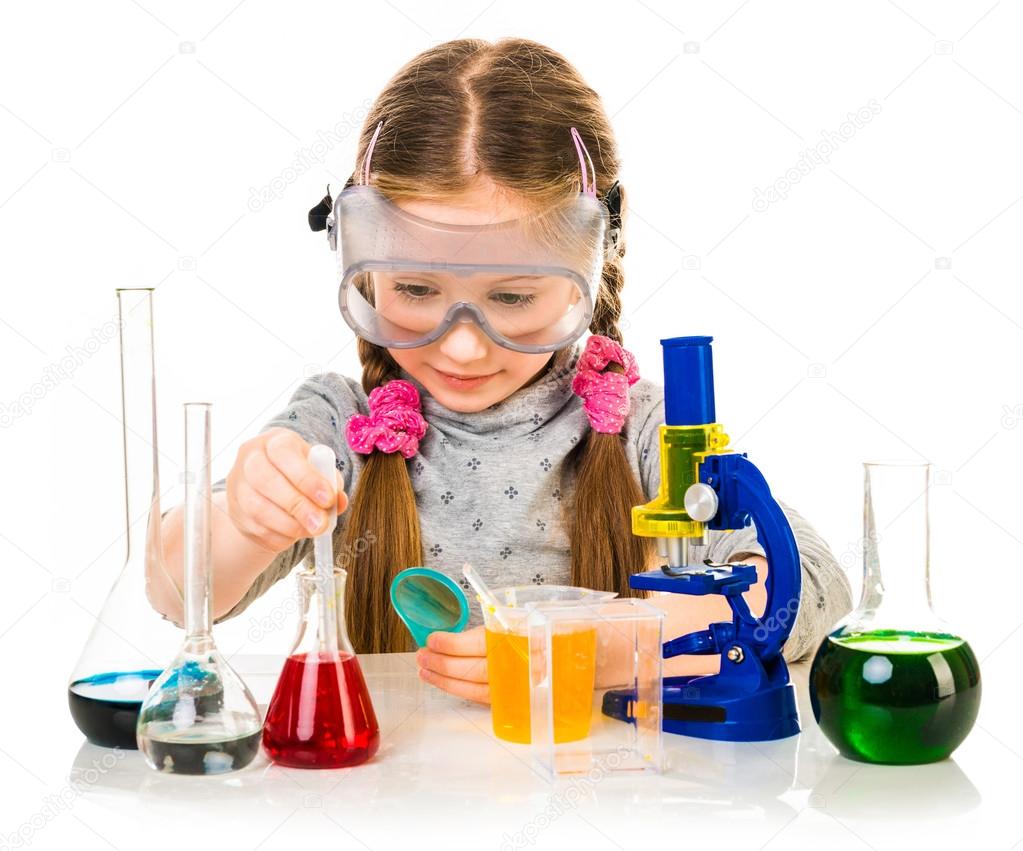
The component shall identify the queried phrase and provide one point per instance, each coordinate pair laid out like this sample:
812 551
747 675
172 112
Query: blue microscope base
758 717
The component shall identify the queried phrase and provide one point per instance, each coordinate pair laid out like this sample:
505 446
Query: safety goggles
530 284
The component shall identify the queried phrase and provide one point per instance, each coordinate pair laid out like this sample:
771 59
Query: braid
606 487
381 534
378 367
608 309
607 312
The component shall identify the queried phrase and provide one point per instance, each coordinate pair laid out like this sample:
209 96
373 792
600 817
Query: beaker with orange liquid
573 662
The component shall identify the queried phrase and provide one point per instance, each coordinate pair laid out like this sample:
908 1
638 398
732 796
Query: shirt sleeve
317 412
825 595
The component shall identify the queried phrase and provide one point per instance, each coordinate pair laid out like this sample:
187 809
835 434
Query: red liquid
321 715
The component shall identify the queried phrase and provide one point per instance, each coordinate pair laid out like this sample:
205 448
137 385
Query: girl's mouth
464 382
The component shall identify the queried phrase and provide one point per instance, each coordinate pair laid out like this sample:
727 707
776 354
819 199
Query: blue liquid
106 706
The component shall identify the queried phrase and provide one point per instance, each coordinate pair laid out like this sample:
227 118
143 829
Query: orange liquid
573 670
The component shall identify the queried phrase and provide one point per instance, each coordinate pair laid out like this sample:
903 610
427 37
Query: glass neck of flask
138 408
197 534
896 560
312 635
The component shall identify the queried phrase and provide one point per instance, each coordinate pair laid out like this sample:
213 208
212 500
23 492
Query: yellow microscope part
683 449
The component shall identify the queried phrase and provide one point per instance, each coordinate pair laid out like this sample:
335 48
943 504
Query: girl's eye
413 290
514 299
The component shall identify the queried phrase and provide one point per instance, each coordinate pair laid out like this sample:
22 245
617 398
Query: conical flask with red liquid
321 714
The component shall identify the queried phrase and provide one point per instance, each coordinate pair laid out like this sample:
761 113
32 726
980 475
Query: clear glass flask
130 641
199 717
321 714
893 683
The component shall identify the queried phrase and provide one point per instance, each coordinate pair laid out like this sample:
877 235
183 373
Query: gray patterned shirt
489 485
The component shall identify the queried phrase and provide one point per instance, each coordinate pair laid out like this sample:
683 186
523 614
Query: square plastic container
508 655
578 653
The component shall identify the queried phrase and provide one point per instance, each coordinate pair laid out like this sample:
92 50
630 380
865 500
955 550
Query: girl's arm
683 613
238 559
687 613
273 503
825 595
261 518
457 662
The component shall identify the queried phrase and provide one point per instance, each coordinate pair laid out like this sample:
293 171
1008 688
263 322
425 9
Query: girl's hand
275 496
457 663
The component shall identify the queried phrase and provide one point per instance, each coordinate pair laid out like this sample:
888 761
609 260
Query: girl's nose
464 342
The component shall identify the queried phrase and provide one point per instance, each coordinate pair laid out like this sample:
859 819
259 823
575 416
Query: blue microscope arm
743 495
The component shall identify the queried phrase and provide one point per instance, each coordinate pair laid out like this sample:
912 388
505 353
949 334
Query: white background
875 311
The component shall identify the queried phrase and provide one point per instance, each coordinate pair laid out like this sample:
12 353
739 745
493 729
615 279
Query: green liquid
900 698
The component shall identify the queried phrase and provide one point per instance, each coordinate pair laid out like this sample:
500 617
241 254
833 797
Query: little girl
484 428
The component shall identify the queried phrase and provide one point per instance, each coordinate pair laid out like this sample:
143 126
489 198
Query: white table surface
441 779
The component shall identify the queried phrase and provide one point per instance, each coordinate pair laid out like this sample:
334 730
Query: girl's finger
270 516
342 497
261 473
470 668
478 692
472 642
289 453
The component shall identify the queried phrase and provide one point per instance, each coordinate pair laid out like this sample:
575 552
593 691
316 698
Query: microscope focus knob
701 502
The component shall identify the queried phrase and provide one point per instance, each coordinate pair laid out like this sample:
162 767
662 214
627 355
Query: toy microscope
704 487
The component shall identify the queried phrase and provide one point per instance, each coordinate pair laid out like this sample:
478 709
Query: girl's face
465 370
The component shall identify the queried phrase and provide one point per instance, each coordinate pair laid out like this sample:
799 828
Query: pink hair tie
605 395
394 424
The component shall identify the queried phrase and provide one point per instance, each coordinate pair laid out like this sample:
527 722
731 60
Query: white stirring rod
323 459
486 596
